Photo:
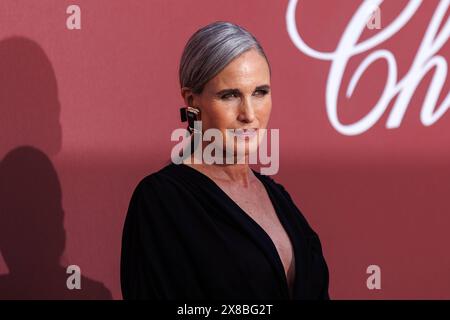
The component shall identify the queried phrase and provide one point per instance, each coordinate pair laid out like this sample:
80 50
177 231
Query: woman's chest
257 204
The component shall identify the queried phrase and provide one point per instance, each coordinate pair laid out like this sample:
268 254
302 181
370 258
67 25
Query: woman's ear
187 95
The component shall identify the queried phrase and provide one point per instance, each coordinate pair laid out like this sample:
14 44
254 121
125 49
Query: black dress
185 238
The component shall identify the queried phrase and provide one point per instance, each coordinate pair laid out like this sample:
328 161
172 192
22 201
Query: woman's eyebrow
228 91
263 87
237 91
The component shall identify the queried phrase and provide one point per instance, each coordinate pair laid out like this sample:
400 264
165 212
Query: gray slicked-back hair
210 49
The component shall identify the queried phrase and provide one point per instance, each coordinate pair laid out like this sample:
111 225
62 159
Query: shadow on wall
32 235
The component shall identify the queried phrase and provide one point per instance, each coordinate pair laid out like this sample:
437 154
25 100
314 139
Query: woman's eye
228 95
261 92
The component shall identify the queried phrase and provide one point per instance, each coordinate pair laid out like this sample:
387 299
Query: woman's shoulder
281 192
161 179
274 184
157 193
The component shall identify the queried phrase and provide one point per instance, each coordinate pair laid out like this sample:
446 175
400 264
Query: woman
220 231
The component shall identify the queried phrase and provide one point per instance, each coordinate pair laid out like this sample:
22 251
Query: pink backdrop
101 103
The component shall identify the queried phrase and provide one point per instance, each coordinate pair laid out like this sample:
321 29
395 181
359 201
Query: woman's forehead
243 71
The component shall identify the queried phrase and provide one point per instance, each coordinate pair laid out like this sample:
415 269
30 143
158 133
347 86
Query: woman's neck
234 173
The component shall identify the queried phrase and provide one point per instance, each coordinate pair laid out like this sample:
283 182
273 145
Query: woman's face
239 97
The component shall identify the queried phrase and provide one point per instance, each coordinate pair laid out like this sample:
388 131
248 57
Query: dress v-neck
264 235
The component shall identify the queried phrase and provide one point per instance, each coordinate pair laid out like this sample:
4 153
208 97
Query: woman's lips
245 133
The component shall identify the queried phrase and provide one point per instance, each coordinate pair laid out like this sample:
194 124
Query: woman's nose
246 111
